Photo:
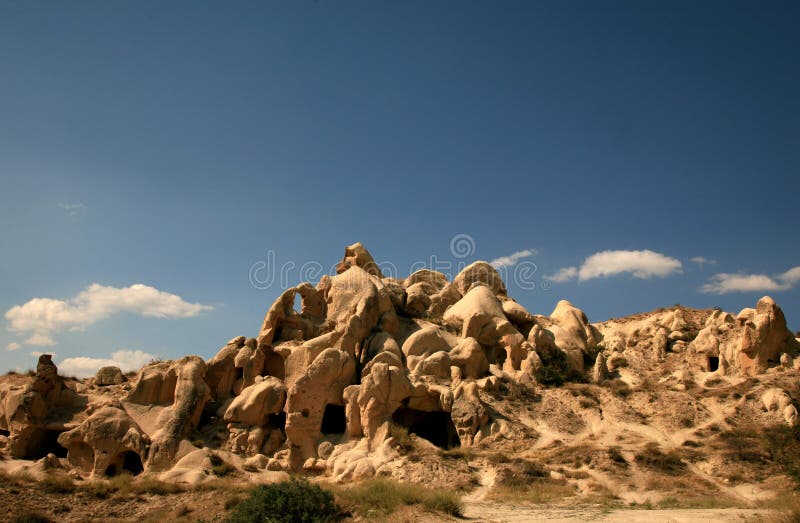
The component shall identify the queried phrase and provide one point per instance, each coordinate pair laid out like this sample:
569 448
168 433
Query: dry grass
536 492
382 497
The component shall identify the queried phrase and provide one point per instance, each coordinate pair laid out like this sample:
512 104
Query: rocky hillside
450 383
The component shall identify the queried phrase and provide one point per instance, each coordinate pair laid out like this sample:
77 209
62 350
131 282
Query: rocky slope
673 402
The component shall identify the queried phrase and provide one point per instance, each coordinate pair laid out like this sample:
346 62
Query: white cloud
43 317
41 340
13 346
701 260
565 274
84 366
641 264
725 283
72 209
512 259
791 276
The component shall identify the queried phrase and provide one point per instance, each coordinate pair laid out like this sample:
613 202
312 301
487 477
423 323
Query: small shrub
653 458
402 439
616 456
154 487
220 467
444 502
293 501
499 457
618 388
742 444
783 446
522 474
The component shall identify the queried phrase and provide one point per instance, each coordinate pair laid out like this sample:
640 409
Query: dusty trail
496 512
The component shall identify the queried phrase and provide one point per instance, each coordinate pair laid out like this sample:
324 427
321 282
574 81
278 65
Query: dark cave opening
128 461
4 432
713 363
43 442
334 420
436 427
132 463
274 366
277 421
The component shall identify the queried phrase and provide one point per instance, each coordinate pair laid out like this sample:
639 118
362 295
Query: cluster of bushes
293 501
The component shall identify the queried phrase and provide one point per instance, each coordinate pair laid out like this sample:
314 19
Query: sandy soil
506 513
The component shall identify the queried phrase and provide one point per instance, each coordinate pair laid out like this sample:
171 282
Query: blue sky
171 146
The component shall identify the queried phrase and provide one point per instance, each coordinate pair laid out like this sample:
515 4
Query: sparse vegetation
381 497
402 439
654 459
57 483
295 500
783 446
618 388
220 467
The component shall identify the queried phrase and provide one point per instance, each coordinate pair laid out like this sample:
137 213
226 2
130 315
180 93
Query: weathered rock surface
369 363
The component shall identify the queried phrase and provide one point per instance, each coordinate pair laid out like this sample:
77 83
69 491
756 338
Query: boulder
254 405
109 376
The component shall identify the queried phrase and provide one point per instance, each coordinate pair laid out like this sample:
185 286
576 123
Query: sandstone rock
109 376
257 402
322 383
480 272
107 443
357 256
599 371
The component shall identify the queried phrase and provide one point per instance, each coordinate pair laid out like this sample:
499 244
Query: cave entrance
274 366
42 442
712 363
334 420
129 462
436 427
277 421
4 432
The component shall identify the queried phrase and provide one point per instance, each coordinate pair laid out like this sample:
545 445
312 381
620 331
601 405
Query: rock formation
324 389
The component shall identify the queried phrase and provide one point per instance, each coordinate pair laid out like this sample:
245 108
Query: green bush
293 501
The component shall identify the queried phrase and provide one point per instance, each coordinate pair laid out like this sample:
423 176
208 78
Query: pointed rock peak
358 255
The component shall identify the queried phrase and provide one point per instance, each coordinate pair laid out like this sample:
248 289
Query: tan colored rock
109 376
381 392
481 272
182 385
108 442
764 336
254 405
357 256
221 369
600 370
479 315
470 358
322 383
